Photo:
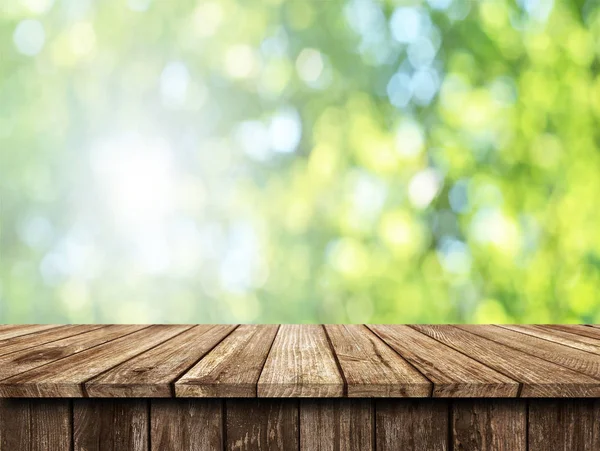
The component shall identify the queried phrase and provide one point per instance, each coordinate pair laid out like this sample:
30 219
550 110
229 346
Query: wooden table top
299 361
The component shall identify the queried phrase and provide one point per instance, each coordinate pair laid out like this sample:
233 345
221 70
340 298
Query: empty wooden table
300 387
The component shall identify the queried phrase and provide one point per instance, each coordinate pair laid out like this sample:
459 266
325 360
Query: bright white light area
240 61
174 81
490 225
38 6
309 65
285 130
82 38
138 5
137 174
410 139
454 256
29 37
253 138
406 24
423 187
207 18
399 90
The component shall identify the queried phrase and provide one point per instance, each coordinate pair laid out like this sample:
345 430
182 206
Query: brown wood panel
261 424
65 377
571 339
540 378
152 373
452 373
564 425
489 425
411 425
44 336
336 424
17 330
110 425
26 359
577 329
232 368
35 425
575 359
300 364
186 424
371 368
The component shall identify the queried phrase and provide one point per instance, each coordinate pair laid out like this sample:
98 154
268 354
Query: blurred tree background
299 161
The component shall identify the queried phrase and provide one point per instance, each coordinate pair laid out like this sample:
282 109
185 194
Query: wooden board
46 335
261 424
65 377
27 359
35 425
564 425
152 373
453 374
186 424
489 425
575 359
412 425
16 330
539 378
337 424
371 368
571 338
110 425
232 368
300 364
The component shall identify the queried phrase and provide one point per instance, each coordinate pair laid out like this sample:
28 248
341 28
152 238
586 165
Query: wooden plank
489 425
232 368
586 331
110 425
411 425
300 364
152 373
539 377
577 341
575 359
26 359
186 424
17 330
453 374
371 368
45 336
261 424
564 425
336 424
35 425
65 377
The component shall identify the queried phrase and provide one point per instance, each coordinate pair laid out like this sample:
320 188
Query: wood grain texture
26 359
453 374
186 424
152 373
579 330
575 359
371 368
300 364
232 368
110 425
16 330
571 339
489 425
261 424
539 378
411 425
336 424
44 336
65 377
35 425
564 425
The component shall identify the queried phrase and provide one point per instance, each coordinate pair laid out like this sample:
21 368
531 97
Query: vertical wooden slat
186 425
336 424
564 425
110 425
411 425
261 424
486 425
35 425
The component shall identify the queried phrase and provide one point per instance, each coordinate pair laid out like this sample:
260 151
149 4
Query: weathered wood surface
296 361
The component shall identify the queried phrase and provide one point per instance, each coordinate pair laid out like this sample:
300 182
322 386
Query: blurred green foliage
299 161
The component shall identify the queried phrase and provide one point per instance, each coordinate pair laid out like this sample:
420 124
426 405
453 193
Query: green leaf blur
299 161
